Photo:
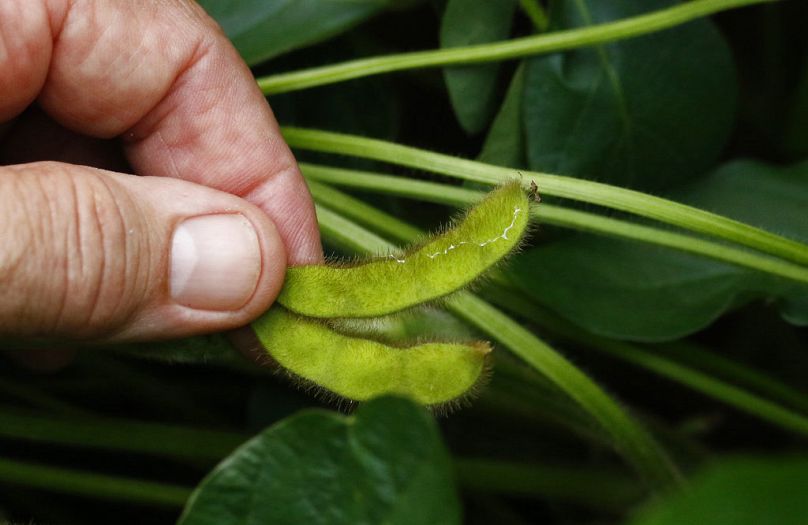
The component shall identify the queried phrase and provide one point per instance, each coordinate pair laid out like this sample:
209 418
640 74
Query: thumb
96 255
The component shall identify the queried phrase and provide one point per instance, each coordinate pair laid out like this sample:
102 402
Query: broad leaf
386 464
626 290
770 197
645 112
741 491
262 29
775 199
636 291
472 89
505 143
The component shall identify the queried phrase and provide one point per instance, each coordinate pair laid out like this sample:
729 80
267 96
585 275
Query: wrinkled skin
151 88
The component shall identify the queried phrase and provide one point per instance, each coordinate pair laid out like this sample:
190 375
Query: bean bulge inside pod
359 369
439 266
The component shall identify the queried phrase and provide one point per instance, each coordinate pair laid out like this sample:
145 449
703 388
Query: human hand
199 242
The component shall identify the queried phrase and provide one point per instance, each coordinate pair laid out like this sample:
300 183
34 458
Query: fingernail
215 262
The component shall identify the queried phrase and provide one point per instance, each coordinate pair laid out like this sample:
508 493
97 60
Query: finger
96 255
25 52
162 75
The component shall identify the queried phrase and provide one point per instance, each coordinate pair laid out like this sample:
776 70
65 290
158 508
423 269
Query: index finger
164 77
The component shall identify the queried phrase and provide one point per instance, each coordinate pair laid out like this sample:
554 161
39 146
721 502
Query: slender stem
399 186
90 484
687 243
505 50
653 360
628 438
533 478
737 373
729 394
558 216
656 361
631 201
354 210
121 435
534 10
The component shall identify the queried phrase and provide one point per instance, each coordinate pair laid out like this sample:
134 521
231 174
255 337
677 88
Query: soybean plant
301 333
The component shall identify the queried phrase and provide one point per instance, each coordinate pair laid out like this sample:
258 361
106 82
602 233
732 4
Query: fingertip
273 264
217 261
225 269
285 198
135 259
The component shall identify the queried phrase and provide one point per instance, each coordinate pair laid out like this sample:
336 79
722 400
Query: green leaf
766 196
386 464
646 293
262 29
627 290
740 491
472 89
624 113
505 143
759 194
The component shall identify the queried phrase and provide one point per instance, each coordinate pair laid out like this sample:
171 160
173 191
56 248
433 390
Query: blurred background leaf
630 113
386 464
261 30
640 292
505 143
472 89
738 491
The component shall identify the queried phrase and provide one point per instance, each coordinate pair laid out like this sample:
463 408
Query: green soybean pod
438 267
355 368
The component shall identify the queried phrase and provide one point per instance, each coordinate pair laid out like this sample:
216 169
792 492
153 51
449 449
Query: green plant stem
729 394
505 50
121 435
628 438
394 228
666 367
558 216
173 440
738 373
354 210
656 362
399 186
602 489
90 484
533 480
622 199
534 10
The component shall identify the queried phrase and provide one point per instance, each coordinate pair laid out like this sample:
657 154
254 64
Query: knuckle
83 270
20 232
102 256
15 236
